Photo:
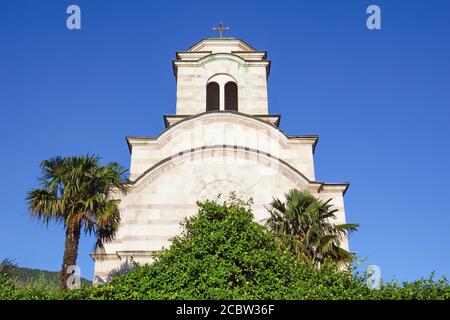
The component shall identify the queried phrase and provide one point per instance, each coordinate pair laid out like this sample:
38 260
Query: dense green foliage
223 254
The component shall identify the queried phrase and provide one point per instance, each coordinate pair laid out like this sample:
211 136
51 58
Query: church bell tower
221 74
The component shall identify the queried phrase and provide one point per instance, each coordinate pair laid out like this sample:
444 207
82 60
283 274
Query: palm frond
304 225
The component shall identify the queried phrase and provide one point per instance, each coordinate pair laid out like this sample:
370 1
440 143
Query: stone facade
202 154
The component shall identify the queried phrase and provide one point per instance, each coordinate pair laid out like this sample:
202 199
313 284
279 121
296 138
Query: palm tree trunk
70 254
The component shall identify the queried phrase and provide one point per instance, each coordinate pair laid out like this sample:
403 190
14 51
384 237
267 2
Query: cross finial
221 28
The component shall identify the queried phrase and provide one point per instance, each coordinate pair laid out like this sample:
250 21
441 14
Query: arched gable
223 57
224 128
224 116
269 165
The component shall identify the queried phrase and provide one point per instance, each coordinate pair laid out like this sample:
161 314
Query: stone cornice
218 41
121 254
171 119
313 139
221 55
195 56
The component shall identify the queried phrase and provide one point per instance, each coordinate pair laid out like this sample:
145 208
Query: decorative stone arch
226 76
224 127
262 177
263 159
222 56
234 117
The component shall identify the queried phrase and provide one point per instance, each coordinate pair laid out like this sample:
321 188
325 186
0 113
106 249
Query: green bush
223 254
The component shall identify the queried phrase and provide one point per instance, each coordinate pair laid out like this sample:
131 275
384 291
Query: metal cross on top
221 28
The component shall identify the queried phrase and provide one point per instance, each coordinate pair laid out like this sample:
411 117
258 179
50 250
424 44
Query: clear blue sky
380 101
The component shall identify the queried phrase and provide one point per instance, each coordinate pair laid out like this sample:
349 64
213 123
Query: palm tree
79 193
303 225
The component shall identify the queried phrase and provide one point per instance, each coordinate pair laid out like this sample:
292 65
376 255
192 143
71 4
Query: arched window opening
231 96
212 96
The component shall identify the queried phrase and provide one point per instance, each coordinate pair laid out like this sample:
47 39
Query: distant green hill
28 275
